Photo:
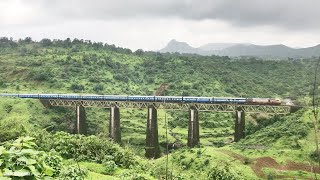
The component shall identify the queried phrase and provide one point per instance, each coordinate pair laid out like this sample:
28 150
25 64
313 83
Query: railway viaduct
152 143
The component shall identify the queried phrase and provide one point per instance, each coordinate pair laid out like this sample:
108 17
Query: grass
286 175
95 176
197 162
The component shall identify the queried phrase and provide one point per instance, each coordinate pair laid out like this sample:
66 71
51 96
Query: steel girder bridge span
152 144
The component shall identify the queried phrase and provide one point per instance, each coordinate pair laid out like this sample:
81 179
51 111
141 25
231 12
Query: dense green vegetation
78 66
21 160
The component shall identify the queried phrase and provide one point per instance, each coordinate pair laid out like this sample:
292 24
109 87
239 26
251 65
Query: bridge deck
270 109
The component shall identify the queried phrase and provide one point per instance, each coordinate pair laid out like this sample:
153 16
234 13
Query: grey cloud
288 14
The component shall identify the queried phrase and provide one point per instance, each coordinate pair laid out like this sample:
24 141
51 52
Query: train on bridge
168 99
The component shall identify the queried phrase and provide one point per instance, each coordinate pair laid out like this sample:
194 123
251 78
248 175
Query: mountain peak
173 41
179 43
242 49
176 46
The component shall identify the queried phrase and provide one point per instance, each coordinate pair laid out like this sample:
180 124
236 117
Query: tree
67 43
28 40
46 42
139 52
315 112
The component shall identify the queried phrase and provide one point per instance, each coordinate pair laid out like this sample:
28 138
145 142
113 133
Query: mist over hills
237 49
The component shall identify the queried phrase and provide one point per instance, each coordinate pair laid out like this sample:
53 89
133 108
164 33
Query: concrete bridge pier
45 103
152 142
193 128
114 124
239 125
81 124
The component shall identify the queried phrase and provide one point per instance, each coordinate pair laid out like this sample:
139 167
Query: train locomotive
169 99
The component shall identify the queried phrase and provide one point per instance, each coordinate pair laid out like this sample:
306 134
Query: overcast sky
150 24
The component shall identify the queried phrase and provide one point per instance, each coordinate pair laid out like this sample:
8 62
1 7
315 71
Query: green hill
78 66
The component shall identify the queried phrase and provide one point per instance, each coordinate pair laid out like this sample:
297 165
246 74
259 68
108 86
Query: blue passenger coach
169 99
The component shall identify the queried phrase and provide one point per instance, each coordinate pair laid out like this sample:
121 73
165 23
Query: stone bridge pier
239 126
81 124
114 124
193 128
152 141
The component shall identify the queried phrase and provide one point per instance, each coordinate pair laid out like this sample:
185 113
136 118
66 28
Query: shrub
41 75
8 108
2 84
110 167
247 161
98 87
86 148
77 87
224 172
54 160
20 160
131 175
73 172
291 129
314 155
12 128
121 77
270 176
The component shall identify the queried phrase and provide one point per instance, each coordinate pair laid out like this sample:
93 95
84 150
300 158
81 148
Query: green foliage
73 172
46 42
86 148
54 160
2 84
77 87
110 167
224 172
290 129
12 129
98 87
132 175
314 156
71 60
41 75
121 77
20 159
180 120
262 122
270 176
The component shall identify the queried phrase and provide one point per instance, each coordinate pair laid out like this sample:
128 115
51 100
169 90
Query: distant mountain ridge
237 49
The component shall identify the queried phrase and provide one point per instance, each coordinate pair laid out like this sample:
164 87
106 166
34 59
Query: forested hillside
82 66
67 66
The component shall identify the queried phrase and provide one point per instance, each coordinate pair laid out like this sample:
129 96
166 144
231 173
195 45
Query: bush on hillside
262 123
110 167
132 175
73 172
75 87
98 87
290 129
121 77
12 128
86 148
41 75
224 172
